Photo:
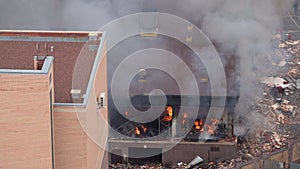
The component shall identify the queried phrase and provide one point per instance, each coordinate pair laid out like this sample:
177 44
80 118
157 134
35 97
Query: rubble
279 104
194 162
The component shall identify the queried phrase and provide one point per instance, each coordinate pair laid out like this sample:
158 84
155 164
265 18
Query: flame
209 128
169 114
144 128
126 113
198 125
137 131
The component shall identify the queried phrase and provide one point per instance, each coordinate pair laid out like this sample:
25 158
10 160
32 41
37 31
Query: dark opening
115 156
215 149
147 155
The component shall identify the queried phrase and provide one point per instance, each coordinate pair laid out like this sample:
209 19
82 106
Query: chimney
35 63
38 62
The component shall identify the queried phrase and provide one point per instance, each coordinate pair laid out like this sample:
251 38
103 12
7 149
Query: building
40 100
55 103
53 106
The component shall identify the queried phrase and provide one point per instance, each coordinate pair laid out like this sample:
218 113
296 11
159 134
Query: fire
198 124
126 113
137 131
169 114
144 128
208 128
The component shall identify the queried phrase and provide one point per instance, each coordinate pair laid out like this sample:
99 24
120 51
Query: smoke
55 14
246 27
22 14
243 26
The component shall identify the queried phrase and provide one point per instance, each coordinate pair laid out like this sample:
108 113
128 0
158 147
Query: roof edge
45 69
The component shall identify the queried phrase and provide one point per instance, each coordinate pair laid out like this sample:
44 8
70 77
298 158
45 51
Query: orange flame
198 124
126 113
209 128
137 131
169 113
144 129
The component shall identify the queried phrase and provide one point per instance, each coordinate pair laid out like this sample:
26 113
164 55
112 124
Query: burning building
157 119
59 83
57 101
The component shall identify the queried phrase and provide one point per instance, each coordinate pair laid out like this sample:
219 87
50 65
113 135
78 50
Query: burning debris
140 130
169 114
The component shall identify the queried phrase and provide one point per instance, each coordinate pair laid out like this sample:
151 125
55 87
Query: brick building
43 83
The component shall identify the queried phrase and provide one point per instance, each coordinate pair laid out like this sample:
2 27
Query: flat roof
18 49
38 33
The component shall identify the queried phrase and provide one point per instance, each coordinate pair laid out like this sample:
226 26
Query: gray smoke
247 27
244 26
55 14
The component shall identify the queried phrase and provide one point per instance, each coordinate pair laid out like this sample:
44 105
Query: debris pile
131 166
279 105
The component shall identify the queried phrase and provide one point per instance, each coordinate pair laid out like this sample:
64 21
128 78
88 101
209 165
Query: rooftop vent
93 36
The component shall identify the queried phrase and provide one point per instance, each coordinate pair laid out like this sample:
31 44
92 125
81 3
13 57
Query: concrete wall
25 121
207 151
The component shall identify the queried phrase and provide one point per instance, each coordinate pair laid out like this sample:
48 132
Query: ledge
45 69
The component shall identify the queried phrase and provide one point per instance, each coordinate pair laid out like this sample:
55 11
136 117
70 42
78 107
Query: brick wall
70 141
25 121
79 144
